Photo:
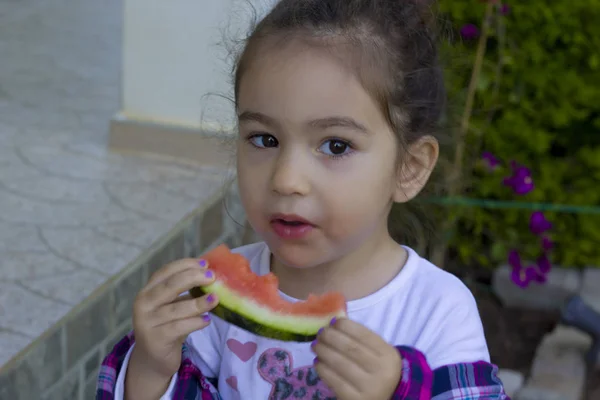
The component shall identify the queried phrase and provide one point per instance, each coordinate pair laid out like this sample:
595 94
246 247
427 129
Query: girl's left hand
356 363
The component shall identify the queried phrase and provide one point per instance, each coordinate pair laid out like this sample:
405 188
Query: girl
337 103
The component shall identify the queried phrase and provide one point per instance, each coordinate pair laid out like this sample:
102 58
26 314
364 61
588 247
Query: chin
295 254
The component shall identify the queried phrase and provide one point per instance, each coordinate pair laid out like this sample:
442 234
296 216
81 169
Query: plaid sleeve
191 383
110 368
463 381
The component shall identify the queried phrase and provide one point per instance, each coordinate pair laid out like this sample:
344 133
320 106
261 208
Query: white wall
173 57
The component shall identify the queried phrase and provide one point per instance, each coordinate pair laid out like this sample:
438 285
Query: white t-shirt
423 307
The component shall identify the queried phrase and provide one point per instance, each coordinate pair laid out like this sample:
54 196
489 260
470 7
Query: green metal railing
507 204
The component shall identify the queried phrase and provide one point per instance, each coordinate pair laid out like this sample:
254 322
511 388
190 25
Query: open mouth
291 226
290 220
290 223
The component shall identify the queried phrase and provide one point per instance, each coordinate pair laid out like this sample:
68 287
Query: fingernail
206 317
313 344
333 321
316 360
320 331
203 263
210 298
208 274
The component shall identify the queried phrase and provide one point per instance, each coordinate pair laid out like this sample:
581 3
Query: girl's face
316 160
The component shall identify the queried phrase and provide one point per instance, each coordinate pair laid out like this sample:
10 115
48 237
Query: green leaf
548 118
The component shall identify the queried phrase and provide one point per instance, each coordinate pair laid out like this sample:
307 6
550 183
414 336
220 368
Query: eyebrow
320 123
251 116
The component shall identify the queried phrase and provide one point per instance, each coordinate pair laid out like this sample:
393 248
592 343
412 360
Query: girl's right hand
163 318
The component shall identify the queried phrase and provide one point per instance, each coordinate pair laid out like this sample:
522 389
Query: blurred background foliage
537 102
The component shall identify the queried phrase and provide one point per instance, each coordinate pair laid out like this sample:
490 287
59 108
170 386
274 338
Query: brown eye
264 141
335 147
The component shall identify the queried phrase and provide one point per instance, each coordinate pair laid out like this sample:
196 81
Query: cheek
251 188
356 219
363 198
244 166
359 202
364 178
250 199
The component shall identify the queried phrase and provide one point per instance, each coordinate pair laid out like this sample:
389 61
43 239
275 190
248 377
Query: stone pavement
559 368
71 213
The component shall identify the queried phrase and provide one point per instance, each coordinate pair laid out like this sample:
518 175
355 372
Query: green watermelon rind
248 315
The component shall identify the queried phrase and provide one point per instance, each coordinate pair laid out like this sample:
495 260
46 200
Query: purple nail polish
316 360
208 274
206 317
210 298
333 321
314 343
203 263
320 331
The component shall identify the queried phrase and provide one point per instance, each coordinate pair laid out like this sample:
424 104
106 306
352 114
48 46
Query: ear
415 168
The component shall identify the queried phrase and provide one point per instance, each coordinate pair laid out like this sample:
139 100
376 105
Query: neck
356 274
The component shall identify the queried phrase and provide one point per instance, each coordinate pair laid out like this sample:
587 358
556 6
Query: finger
184 309
180 329
183 297
332 340
174 268
346 367
341 387
173 286
361 334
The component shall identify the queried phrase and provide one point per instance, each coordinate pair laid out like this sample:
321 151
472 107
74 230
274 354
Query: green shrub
543 111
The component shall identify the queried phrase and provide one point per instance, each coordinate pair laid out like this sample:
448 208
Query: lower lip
286 231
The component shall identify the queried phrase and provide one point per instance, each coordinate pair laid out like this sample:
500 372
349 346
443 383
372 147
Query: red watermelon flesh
254 303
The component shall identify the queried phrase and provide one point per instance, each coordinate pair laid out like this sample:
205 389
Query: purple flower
544 264
514 259
539 276
469 32
504 9
490 160
520 181
538 223
522 277
547 244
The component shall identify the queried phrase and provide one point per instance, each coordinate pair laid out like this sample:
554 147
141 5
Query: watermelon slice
253 302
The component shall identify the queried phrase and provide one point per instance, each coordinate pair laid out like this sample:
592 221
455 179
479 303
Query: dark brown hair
390 44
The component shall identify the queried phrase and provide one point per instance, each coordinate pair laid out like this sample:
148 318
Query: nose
291 175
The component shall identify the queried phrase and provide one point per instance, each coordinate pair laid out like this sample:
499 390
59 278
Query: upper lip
290 218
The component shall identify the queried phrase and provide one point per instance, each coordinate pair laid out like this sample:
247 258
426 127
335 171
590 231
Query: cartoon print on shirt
276 367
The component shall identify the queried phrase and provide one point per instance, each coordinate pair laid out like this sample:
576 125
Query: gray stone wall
63 363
